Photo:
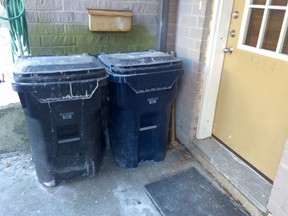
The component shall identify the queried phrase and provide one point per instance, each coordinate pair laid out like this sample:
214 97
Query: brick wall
61 26
278 202
192 24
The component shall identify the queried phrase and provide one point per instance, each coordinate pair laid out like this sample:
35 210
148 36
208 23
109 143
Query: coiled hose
18 27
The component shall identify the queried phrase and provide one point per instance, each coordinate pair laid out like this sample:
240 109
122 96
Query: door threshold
237 178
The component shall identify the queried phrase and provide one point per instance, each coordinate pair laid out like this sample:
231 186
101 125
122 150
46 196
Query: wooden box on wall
110 20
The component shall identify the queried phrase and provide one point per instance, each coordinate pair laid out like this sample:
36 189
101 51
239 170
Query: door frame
212 74
222 10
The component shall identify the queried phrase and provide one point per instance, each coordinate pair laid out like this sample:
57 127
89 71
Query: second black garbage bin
62 98
142 85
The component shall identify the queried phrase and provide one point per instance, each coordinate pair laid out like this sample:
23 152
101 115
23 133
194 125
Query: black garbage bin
142 85
62 98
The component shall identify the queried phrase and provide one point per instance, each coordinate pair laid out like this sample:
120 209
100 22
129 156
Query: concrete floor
113 191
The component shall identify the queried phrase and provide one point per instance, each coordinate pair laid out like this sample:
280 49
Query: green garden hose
18 27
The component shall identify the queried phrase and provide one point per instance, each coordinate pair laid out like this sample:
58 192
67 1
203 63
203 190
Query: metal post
162 25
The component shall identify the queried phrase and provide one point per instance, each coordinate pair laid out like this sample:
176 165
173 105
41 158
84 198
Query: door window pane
265 28
254 27
259 2
285 45
273 28
279 2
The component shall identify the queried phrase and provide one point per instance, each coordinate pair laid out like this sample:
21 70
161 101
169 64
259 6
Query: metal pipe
162 25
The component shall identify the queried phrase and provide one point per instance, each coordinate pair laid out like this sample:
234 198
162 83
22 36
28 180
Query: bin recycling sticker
152 100
67 115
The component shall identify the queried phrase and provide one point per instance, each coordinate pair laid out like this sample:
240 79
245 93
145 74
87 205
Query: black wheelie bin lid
56 78
143 71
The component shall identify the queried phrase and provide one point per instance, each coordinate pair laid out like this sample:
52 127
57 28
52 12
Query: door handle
228 50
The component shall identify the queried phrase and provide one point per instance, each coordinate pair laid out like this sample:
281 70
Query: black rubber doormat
191 194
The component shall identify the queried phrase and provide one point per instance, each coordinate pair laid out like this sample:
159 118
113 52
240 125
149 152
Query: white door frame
222 10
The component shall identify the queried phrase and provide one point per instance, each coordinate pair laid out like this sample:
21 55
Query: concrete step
236 177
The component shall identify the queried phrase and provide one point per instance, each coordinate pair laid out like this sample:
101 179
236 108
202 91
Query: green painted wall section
56 39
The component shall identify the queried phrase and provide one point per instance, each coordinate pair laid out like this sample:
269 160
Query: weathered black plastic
123 67
140 104
59 78
120 63
63 116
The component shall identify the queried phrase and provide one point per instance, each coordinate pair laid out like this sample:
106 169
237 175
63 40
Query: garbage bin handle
68 97
148 90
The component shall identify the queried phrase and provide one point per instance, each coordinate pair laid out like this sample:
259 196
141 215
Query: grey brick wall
192 28
61 26
278 202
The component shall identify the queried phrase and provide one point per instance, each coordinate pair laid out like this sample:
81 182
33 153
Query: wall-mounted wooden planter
109 20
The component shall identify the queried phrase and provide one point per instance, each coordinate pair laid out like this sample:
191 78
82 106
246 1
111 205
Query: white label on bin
148 128
74 139
152 100
67 115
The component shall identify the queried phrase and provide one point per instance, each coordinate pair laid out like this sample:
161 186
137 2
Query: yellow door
252 107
